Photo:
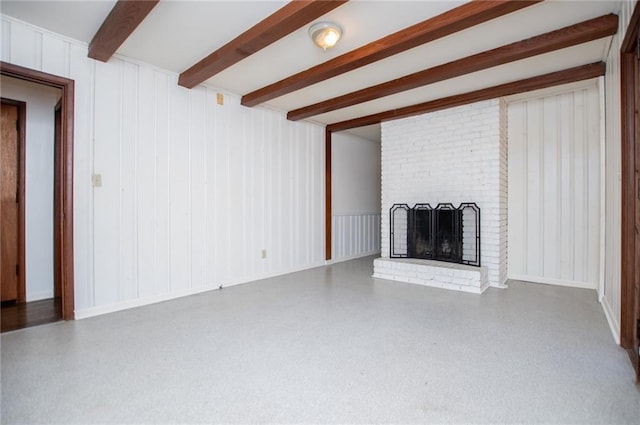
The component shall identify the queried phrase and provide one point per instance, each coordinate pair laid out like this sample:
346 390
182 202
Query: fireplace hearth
443 233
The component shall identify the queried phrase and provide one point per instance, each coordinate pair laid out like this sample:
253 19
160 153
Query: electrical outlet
220 98
263 254
96 180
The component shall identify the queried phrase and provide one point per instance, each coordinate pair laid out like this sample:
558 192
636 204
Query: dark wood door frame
629 187
57 210
22 120
328 214
65 224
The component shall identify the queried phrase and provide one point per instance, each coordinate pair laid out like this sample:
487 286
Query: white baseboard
139 302
613 323
560 282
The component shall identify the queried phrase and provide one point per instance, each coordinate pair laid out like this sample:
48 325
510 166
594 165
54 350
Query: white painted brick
454 155
429 273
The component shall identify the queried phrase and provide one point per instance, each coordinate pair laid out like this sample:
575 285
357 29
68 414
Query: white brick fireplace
455 155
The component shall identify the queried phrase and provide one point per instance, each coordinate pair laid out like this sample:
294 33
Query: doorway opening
62 194
29 293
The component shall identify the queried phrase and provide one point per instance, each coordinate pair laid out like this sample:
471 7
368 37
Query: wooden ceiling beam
583 32
123 19
454 20
570 75
284 21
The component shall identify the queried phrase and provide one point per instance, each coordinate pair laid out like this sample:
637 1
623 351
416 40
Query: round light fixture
325 34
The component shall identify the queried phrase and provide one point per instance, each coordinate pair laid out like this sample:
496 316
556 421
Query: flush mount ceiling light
325 34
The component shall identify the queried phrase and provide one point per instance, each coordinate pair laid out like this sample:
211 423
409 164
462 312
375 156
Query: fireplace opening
421 241
443 233
448 235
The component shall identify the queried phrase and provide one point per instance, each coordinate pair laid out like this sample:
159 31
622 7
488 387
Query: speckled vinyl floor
328 345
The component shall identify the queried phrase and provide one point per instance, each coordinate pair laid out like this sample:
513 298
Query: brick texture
456 155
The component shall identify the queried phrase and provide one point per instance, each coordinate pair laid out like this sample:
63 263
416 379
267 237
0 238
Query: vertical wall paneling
197 165
145 190
237 210
300 178
532 188
24 36
310 160
237 202
55 54
547 167
82 72
210 177
554 187
162 238
283 212
259 209
516 182
249 251
275 236
223 209
566 153
355 235
107 197
580 195
319 187
594 200
5 40
303 213
128 180
179 189
191 191
603 186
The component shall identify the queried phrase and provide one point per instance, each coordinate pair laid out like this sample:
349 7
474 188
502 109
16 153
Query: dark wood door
9 207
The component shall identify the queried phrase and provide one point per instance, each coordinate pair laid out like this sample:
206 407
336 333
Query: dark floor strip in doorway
24 315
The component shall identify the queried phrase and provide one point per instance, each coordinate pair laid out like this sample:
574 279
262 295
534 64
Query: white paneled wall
554 187
192 192
355 235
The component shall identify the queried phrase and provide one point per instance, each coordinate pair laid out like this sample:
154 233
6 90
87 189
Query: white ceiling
178 33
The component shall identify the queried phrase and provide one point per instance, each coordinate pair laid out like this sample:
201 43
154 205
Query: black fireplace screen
443 233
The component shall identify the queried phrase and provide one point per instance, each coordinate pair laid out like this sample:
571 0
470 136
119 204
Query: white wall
554 186
610 296
355 176
455 155
192 191
39 149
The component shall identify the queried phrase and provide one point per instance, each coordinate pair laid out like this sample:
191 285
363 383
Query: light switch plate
96 180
